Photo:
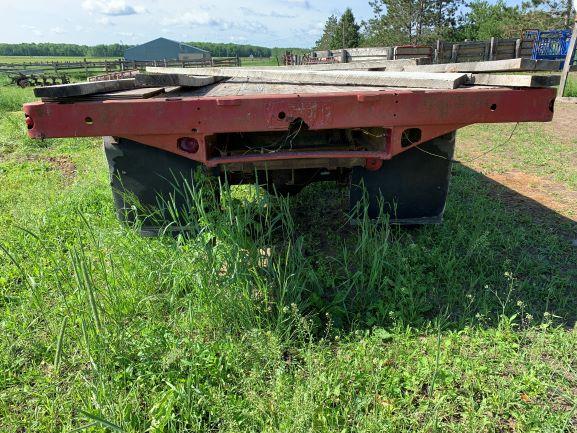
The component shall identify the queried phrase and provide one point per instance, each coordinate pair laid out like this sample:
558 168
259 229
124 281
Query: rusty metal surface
162 122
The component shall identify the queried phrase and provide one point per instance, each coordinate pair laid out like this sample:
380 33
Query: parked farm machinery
29 79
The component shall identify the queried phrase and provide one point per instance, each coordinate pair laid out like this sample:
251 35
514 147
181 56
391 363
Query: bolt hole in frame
88 120
29 121
187 144
411 136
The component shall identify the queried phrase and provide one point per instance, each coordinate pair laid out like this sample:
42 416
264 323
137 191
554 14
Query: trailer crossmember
189 126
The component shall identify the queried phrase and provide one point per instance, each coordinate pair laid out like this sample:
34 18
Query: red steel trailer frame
361 136
184 125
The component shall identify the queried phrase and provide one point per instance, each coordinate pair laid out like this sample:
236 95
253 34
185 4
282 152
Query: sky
282 23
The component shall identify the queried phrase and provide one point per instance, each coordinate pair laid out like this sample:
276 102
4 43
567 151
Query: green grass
463 327
272 61
530 149
571 87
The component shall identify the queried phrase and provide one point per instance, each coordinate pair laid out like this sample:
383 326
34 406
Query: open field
20 59
280 316
271 61
27 59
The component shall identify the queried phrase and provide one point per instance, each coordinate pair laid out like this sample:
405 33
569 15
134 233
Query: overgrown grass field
279 315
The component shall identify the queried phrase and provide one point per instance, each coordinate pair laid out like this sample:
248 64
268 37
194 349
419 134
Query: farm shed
165 49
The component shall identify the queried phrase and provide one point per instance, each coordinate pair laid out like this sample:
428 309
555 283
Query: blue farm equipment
550 44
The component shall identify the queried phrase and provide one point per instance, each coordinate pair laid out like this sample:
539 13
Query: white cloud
203 18
316 30
306 4
272 14
32 30
57 30
261 22
111 7
105 21
199 18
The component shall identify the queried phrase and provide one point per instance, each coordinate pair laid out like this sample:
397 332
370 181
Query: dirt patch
64 164
563 123
547 201
538 197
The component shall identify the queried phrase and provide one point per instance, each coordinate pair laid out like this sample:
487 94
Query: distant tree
339 32
327 40
117 50
400 21
349 30
230 50
445 18
411 21
560 12
485 20
62 50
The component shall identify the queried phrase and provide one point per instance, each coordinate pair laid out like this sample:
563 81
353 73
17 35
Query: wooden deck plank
387 65
515 80
191 80
360 78
82 89
509 65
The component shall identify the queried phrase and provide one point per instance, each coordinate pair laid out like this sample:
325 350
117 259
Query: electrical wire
478 156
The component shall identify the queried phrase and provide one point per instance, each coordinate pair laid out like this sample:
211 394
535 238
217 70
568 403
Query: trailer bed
396 142
403 118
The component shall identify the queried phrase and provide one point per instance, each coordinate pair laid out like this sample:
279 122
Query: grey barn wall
165 49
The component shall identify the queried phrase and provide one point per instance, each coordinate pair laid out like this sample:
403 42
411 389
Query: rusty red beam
161 122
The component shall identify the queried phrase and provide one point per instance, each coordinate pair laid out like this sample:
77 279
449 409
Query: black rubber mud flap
149 175
411 187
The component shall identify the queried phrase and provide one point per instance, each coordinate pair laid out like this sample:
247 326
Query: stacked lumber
424 80
83 89
509 65
408 73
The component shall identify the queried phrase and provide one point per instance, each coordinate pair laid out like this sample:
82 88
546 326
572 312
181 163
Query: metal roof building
165 49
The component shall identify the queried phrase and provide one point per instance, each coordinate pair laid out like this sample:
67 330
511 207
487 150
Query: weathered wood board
82 89
172 90
568 60
142 93
387 65
147 80
356 78
510 65
242 87
515 80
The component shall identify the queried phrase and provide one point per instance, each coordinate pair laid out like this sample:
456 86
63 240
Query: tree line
62 50
117 50
231 50
400 22
218 49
